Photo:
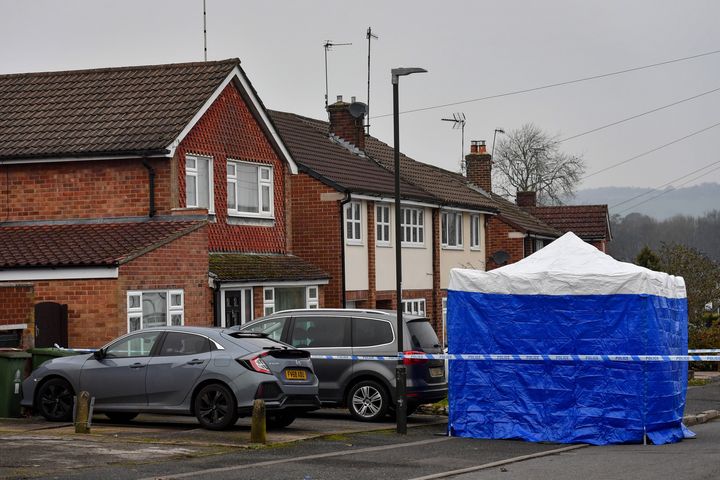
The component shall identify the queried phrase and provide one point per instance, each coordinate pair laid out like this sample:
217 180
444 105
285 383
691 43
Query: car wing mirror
99 354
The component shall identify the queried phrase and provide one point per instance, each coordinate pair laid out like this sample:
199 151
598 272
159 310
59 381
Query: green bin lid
14 354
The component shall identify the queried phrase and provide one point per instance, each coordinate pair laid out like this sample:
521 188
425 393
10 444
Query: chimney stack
347 121
526 199
478 165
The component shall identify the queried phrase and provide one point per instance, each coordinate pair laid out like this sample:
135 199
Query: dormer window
249 189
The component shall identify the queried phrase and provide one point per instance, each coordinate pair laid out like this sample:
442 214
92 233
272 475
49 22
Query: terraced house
142 196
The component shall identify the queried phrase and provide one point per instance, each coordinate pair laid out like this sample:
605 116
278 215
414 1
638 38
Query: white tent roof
568 266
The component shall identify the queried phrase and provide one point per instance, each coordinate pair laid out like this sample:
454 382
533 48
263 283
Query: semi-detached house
142 196
343 215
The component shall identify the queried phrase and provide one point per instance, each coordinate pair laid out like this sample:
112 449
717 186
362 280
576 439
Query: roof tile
85 244
108 111
240 267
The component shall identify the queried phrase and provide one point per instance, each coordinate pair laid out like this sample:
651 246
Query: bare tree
529 159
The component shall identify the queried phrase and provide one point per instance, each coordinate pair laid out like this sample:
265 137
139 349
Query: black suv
366 387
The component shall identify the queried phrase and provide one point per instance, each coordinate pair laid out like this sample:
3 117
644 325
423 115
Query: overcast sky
472 49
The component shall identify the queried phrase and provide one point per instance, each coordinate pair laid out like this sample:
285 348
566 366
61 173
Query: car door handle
195 362
137 365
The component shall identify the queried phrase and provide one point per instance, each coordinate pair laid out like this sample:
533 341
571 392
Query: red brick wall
316 232
101 188
16 306
228 130
496 238
97 308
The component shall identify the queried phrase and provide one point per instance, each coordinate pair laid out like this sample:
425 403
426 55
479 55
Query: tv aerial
459 121
328 46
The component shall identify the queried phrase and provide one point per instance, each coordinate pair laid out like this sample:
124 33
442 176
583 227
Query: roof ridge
234 61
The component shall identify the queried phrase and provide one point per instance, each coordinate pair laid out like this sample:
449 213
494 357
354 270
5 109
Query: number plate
296 374
437 372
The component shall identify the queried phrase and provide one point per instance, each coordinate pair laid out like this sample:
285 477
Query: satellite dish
357 109
500 257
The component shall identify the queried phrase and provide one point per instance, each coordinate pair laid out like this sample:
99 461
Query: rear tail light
413 361
256 363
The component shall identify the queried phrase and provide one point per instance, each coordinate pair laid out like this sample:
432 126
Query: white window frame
193 173
243 320
382 220
353 218
417 226
415 306
312 298
261 182
475 230
445 240
137 312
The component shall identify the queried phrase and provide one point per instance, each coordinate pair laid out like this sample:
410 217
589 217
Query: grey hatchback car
211 373
365 387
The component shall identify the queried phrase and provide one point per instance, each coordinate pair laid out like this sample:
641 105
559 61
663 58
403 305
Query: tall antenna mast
328 45
370 36
459 122
205 30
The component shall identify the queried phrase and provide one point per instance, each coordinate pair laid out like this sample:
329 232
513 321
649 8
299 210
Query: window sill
475 249
412 245
383 245
354 243
457 249
252 221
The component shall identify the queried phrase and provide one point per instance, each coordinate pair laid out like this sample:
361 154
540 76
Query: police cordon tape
530 357
705 350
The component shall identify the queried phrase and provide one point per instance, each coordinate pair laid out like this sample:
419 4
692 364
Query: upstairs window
451 229
249 189
198 182
475 231
353 223
412 231
382 225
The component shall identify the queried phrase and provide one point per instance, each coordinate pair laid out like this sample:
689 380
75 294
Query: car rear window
422 335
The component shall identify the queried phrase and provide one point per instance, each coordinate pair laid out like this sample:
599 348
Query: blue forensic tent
568 298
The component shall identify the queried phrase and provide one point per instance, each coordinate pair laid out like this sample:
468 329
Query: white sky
471 49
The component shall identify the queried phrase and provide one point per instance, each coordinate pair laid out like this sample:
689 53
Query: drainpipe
151 185
343 202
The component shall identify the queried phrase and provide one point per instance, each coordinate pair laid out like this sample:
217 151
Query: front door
118 380
238 306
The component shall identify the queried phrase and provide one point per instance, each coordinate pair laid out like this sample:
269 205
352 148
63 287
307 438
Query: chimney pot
339 98
352 99
477 147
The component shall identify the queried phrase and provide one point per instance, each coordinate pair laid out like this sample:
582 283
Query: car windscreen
422 336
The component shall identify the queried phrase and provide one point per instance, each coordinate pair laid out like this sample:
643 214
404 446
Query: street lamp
492 151
400 373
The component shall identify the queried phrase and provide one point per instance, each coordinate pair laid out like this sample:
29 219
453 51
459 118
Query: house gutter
343 202
151 186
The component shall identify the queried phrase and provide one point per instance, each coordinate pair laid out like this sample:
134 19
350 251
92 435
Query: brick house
142 196
343 215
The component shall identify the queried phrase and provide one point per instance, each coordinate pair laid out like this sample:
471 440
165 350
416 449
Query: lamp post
492 151
400 372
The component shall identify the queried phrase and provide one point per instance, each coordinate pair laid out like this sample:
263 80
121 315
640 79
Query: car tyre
55 400
279 420
121 417
216 407
368 401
